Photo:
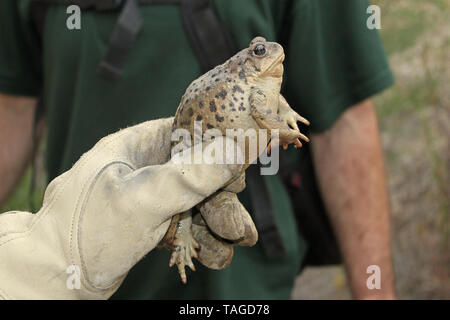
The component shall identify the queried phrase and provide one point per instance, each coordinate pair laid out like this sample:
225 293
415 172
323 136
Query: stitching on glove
85 200
78 167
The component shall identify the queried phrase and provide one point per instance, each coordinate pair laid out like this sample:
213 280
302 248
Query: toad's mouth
276 68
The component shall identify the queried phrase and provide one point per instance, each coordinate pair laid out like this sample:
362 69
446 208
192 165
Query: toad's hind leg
226 216
184 246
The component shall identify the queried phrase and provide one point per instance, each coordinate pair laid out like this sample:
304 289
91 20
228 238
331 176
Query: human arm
16 139
20 84
350 170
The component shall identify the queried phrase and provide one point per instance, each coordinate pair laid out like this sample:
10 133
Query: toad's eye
259 50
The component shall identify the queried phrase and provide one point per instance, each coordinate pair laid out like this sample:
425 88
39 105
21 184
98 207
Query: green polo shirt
332 62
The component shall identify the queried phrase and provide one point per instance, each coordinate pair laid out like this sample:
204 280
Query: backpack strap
124 33
99 5
312 220
122 39
211 45
210 41
263 214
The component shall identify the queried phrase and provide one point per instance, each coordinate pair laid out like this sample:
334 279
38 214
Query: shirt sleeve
333 61
19 70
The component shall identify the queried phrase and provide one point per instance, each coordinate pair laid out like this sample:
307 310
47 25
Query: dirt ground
414 117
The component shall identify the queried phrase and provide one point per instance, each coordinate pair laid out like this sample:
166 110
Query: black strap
38 15
103 5
312 220
122 40
263 214
86 4
210 41
124 33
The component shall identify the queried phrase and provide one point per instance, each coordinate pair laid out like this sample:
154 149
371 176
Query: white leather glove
102 216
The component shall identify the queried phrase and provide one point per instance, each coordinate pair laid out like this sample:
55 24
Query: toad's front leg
184 246
285 120
289 116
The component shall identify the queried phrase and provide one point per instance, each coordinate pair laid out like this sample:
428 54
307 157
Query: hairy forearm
351 175
16 140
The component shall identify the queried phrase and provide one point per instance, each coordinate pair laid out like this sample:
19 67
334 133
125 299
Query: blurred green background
414 117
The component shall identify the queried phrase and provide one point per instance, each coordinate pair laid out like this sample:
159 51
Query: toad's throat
276 68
